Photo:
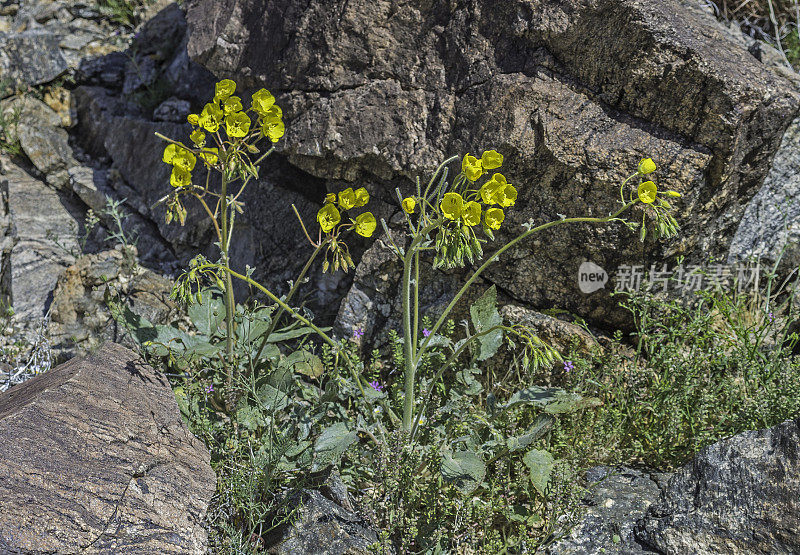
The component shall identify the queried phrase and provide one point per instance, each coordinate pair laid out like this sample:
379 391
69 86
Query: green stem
289 296
494 257
294 314
230 300
408 349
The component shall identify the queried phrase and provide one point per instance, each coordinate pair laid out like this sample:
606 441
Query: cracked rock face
738 496
574 93
96 459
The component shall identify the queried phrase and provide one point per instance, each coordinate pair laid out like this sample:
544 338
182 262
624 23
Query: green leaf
305 363
465 469
331 445
553 400
207 316
272 398
485 316
254 325
250 417
278 337
542 425
566 402
540 463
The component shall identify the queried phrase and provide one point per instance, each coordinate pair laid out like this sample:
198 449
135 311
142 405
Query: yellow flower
409 204
472 213
273 112
198 138
494 218
232 105
330 198
328 217
471 167
491 159
492 189
647 192
209 155
224 89
180 178
237 125
452 206
507 196
347 199
210 118
273 128
169 153
647 166
193 119
184 159
263 101
366 224
362 197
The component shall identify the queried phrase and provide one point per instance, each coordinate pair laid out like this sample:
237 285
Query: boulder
96 459
738 496
616 499
45 239
574 93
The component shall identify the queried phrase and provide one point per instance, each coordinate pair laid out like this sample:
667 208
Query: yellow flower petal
193 119
209 155
491 159
328 217
494 218
184 159
273 128
647 192
409 204
180 178
471 167
169 153
365 224
347 199
452 206
224 89
263 101
198 138
210 117
647 166
362 197
232 105
472 213
330 197
507 196
237 125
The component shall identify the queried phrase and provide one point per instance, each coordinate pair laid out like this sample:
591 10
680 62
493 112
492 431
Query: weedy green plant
9 143
124 12
705 370
474 431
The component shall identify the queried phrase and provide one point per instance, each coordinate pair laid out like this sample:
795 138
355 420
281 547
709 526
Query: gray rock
322 528
375 93
42 139
39 214
738 496
79 316
173 110
618 498
96 459
31 57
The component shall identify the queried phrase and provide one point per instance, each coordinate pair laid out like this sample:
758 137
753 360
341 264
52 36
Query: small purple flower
568 366
210 388
358 333
771 318
426 332
376 386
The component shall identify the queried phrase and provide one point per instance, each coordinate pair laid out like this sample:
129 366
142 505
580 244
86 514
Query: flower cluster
467 206
648 194
234 133
329 218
